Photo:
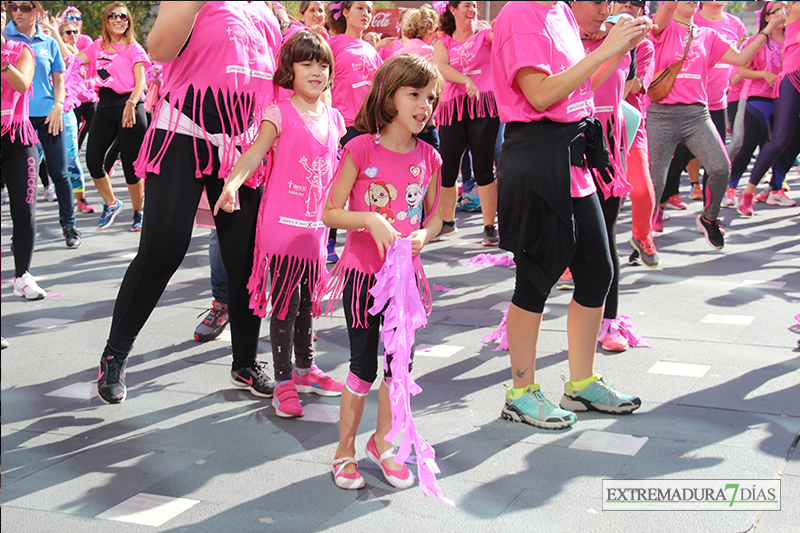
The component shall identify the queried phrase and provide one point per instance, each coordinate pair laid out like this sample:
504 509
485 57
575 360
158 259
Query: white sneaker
780 198
26 286
50 193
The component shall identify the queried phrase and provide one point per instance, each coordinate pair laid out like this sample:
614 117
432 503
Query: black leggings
296 330
481 135
591 266
172 199
785 135
19 167
683 155
106 127
611 208
84 113
364 342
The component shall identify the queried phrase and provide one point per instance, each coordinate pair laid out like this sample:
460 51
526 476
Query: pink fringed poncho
232 52
15 113
393 185
290 234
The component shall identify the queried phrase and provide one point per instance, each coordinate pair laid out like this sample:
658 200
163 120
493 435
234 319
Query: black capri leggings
296 331
591 265
172 198
481 135
84 113
106 127
19 167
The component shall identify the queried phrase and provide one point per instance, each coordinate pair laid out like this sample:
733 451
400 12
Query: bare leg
384 425
448 197
523 329
105 189
583 328
693 169
352 407
136 192
488 196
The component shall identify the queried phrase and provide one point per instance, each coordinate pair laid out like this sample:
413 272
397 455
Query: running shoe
286 401
712 232
50 193
72 237
402 478
3 343
697 192
779 198
26 287
676 202
109 214
615 343
489 236
730 198
346 481
317 382
448 228
111 379
565 282
84 207
647 251
658 220
213 324
137 221
599 395
254 378
763 195
744 204
332 256
534 409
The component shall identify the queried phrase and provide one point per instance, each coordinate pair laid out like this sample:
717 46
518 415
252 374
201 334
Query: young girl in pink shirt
389 187
300 137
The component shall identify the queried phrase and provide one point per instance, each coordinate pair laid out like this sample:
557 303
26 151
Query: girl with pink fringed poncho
300 137
392 190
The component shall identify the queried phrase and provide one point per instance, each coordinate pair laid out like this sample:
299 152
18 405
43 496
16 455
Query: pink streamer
396 284
440 288
622 325
490 260
75 85
797 317
500 335
441 7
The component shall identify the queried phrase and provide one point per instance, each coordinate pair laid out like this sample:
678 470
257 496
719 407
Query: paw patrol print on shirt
380 196
414 197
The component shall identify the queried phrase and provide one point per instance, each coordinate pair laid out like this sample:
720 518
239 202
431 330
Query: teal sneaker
534 409
599 395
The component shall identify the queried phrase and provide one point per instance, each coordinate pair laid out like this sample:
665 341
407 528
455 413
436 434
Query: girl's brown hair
404 70
337 25
447 22
421 23
129 37
305 45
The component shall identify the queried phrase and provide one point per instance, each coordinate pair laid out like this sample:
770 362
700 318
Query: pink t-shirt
769 58
83 42
390 50
708 46
731 29
472 58
355 64
15 106
529 34
316 124
114 69
644 71
416 47
791 52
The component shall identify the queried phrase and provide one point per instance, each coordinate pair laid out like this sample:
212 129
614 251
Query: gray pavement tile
19 520
789 515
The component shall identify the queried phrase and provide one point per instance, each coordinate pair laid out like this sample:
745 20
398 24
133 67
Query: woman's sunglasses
120 16
71 32
634 4
74 17
25 8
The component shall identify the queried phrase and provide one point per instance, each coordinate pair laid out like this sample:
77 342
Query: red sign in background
384 22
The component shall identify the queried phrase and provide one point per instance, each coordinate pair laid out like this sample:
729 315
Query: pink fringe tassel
623 326
500 335
396 284
485 260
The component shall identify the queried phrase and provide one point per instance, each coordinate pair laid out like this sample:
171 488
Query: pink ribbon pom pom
396 285
75 85
622 325
490 260
500 335
441 7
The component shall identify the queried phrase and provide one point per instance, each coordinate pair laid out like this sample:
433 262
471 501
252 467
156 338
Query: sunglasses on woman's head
71 32
74 17
25 8
120 16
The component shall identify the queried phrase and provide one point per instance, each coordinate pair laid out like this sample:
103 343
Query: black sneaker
447 229
489 236
111 380
255 378
213 324
712 231
72 236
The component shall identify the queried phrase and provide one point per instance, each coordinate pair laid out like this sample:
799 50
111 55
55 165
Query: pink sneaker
780 198
318 382
762 196
676 202
346 481
286 401
744 204
730 198
615 343
401 478
658 220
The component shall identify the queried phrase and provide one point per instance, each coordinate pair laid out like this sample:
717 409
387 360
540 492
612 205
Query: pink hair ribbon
396 285
336 10
441 7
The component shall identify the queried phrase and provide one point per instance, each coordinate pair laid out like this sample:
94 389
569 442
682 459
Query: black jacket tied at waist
534 187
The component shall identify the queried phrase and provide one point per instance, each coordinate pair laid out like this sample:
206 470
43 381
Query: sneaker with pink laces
762 196
779 198
318 382
676 202
730 198
658 220
286 401
566 283
744 204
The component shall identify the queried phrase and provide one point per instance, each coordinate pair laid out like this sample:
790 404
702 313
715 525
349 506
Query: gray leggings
671 124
